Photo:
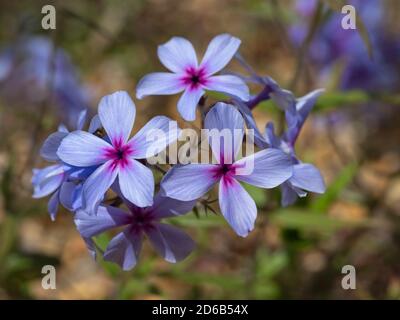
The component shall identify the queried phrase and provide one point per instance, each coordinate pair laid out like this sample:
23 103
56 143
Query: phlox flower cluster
103 175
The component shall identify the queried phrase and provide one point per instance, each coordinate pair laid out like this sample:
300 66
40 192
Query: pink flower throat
194 77
119 153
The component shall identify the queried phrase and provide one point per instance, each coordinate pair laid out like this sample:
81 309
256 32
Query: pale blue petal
238 208
50 146
219 52
177 55
80 123
229 84
82 149
307 177
117 115
159 83
71 195
96 186
189 182
226 140
267 168
95 124
52 206
136 182
289 196
154 137
46 181
188 102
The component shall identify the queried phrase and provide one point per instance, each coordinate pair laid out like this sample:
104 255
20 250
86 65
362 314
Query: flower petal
289 196
307 177
271 137
164 207
229 84
136 182
259 139
226 140
45 181
219 52
267 168
82 149
95 124
170 242
91 246
50 146
81 119
295 120
107 217
124 249
154 137
71 195
96 186
159 83
238 208
188 102
189 182
177 54
52 206
117 115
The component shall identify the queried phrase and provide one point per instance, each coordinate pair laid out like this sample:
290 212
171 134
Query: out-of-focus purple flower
271 167
179 56
124 249
33 70
117 157
333 44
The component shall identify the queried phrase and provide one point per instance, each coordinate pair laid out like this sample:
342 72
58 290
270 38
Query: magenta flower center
142 220
119 153
224 171
194 77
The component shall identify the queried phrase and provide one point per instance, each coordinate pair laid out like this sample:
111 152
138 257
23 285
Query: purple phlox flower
117 157
179 56
33 70
306 177
59 180
268 169
295 119
283 98
332 45
124 249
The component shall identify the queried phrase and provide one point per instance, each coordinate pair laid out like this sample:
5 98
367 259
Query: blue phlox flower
179 56
269 168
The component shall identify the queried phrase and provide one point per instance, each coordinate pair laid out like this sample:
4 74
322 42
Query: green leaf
269 265
311 221
331 100
224 281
